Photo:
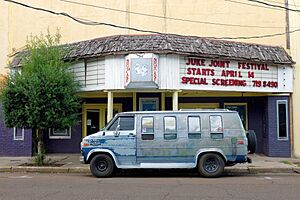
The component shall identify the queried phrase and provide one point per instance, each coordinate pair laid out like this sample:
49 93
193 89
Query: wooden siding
93 76
79 72
168 71
95 72
114 72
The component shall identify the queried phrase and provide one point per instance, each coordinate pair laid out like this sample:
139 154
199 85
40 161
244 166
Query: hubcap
211 165
102 165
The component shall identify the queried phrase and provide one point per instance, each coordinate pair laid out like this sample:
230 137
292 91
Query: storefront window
282 120
60 133
148 104
18 133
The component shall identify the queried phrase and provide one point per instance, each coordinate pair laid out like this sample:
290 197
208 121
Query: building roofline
173 44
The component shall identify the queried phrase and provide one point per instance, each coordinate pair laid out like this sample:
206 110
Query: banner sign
235 75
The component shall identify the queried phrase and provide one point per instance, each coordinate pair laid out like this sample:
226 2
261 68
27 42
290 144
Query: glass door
92 121
94 117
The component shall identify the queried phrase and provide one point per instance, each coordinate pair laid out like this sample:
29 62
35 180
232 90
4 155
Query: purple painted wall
262 118
275 147
73 145
11 147
65 145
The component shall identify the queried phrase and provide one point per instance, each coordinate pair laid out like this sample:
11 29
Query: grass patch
287 162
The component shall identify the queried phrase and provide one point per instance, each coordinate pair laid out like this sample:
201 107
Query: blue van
204 139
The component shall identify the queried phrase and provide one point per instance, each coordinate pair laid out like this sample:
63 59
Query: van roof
182 111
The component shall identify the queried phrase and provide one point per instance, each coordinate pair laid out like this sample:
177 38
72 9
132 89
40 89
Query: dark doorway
93 119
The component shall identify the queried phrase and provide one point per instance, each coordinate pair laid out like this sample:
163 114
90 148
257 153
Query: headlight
85 143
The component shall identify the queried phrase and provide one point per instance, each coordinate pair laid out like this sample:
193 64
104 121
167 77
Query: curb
85 170
261 170
13 169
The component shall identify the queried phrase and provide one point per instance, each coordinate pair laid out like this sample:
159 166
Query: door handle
131 135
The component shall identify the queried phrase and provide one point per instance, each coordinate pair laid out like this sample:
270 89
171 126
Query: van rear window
216 124
232 121
194 129
170 128
147 128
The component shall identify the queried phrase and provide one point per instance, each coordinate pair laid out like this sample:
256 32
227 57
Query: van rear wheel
211 165
102 165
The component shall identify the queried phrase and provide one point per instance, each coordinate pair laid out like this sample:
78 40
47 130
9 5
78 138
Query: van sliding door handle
131 135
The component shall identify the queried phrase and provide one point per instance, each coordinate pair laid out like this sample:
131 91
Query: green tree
44 93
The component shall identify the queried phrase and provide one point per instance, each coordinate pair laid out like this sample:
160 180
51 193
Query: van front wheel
102 165
211 165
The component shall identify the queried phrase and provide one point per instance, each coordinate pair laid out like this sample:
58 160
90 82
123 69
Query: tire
211 165
102 165
252 142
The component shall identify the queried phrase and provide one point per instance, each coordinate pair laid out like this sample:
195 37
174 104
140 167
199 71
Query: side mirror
117 131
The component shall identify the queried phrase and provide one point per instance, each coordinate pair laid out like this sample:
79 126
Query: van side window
126 124
114 125
216 127
147 128
194 129
170 128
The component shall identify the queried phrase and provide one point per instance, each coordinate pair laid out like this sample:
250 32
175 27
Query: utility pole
287 25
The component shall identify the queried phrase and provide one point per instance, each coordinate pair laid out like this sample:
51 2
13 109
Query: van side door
159 140
120 138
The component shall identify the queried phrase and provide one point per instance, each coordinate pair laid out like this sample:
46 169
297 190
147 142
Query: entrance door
93 119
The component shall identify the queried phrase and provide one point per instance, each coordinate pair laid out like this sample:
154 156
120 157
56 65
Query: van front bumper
81 159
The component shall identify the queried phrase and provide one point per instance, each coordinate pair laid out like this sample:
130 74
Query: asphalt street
167 187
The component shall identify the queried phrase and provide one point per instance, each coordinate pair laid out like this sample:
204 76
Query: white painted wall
114 72
109 74
94 76
95 73
168 71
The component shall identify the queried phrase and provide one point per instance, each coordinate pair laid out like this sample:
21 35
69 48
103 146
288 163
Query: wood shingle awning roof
174 44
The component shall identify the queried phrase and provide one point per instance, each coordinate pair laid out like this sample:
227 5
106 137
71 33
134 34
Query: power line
257 36
81 20
254 5
265 4
294 4
171 18
275 6
94 23
274 2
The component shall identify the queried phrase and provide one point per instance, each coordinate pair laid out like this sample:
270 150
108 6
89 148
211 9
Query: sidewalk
69 163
